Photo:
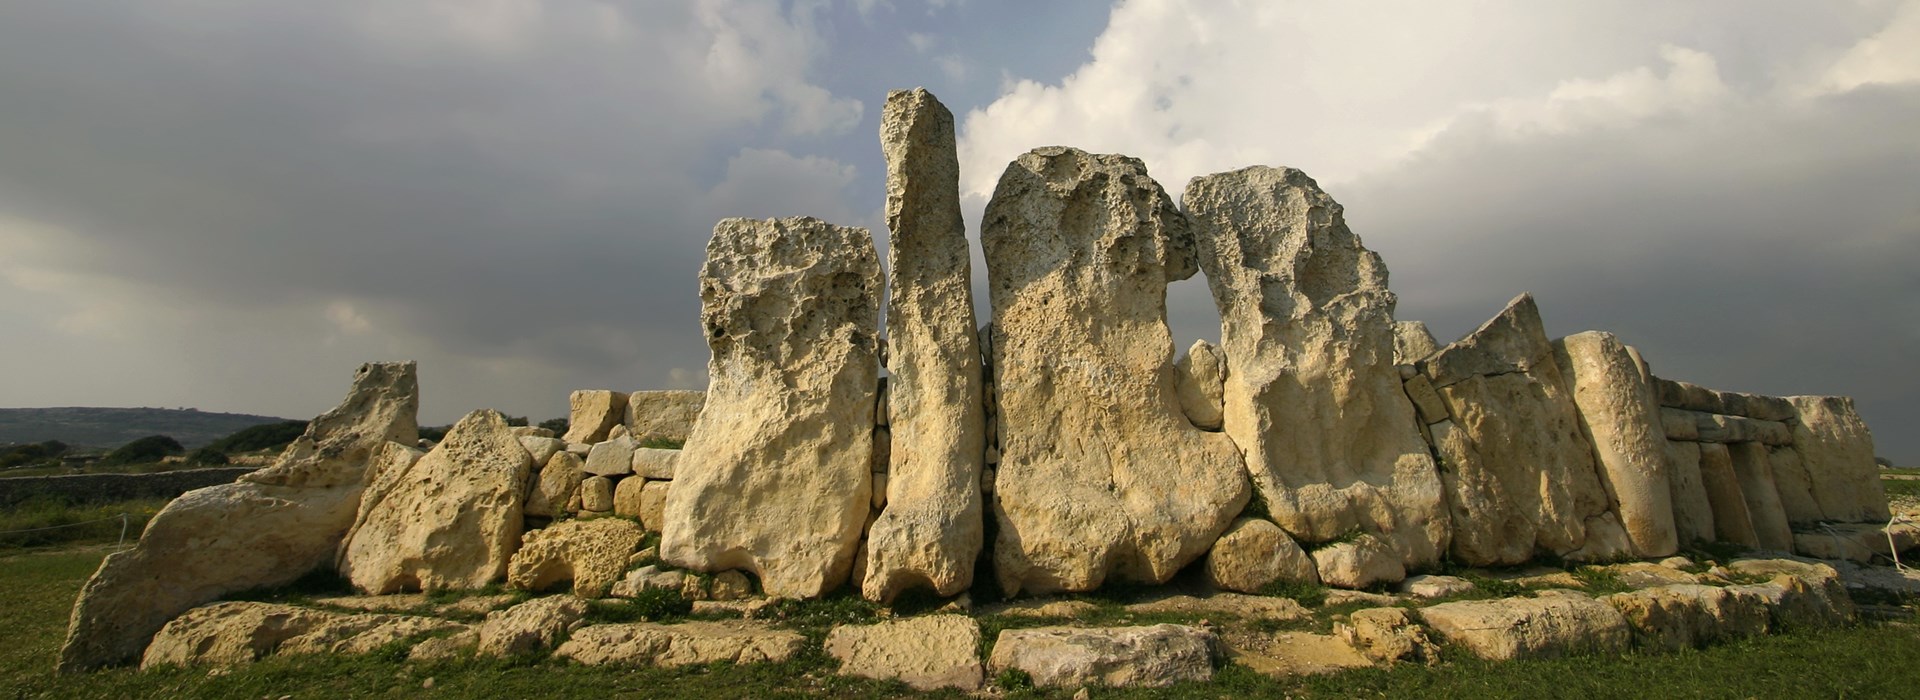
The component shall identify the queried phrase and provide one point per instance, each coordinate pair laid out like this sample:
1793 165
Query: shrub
207 457
557 425
152 448
260 437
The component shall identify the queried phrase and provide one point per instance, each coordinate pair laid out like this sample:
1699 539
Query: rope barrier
126 523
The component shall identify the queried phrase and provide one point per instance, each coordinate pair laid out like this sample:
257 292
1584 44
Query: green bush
557 425
260 437
152 448
40 453
207 457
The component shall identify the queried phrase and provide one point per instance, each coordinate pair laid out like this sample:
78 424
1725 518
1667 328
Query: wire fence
126 523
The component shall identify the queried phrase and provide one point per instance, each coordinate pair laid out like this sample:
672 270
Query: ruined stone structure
1322 441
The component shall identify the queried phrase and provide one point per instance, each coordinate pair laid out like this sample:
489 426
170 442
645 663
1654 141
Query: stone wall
109 488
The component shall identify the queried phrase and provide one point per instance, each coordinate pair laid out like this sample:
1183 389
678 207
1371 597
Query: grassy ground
45 521
1876 660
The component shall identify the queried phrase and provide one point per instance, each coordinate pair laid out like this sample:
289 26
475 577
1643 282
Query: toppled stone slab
450 520
1358 563
1388 636
927 652
416 603
267 529
1042 608
684 644
1554 624
230 633
534 625
1679 616
775 478
1801 595
1431 586
593 413
1641 574
1100 472
1233 605
590 553
663 416
1122 657
1253 553
1313 395
1295 654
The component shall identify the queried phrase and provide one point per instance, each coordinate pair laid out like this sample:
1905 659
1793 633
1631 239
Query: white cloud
1891 56
954 66
920 42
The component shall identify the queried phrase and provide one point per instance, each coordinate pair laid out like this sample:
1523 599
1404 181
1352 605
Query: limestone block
1795 485
1202 384
268 528
1359 563
1622 421
528 627
613 457
1715 427
1754 469
1557 623
653 504
1388 636
1313 396
882 408
450 521
1800 595
1679 424
1519 472
626 496
663 415
1101 474
1122 657
1675 617
730 585
776 477
596 495
531 431
240 632
1692 510
1690 397
655 464
684 644
1425 400
1292 654
557 483
927 653
1431 586
592 413
542 448
931 531
1233 605
1837 450
1253 553
1731 521
590 553
1412 342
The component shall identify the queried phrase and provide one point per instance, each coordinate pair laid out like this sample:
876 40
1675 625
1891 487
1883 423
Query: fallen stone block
1121 657
1556 623
927 652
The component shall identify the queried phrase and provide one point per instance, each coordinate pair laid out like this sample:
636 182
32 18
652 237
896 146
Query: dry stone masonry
1058 448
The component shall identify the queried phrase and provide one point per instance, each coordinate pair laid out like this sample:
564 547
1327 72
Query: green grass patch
1901 487
44 521
1600 581
659 443
1311 595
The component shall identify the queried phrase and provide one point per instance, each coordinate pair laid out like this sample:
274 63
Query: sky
230 205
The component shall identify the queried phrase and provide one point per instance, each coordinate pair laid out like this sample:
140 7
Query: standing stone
558 483
451 520
1754 468
1795 485
1412 342
929 534
1837 451
1312 393
1731 523
267 529
774 478
593 413
1519 473
1617 407
1253 553
663 416
1203 373
1692 511
1100 472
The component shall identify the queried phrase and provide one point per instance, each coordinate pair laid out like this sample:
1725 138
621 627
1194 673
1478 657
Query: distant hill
113 427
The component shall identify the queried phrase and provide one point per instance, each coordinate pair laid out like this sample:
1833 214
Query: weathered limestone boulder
1860 542
1253 553
1313 395
1692 511
1622 420
1231 605
267 529
596 495
1291 654
653 504
928 652
1431 586
930 532
775 479
1412 342
1358 563
590 553
1671 618
232 633
534 625
613 457
1641 574
1388 636
593 413
1754 469
685 644
1203 373
450 521
626 496
1556 623
1124 657
663 416
1800 595
1837 450
655 463
557 483
1100 471
542 448
1518 469
1731 522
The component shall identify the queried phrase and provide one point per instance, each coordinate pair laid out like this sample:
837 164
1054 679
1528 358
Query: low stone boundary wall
108 488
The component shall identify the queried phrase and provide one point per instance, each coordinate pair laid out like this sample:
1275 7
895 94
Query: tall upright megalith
1100 471
1622 419
930 530
774 478
1312 394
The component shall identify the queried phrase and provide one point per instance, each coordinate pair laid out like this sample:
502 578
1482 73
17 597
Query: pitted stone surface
1617 406
775 479
927 652
1313 395
663 415
1068 657
593 413
1100 473
1203 372
1837 449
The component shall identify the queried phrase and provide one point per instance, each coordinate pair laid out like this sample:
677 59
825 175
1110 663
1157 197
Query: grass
44 521
1901 487
1869 660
